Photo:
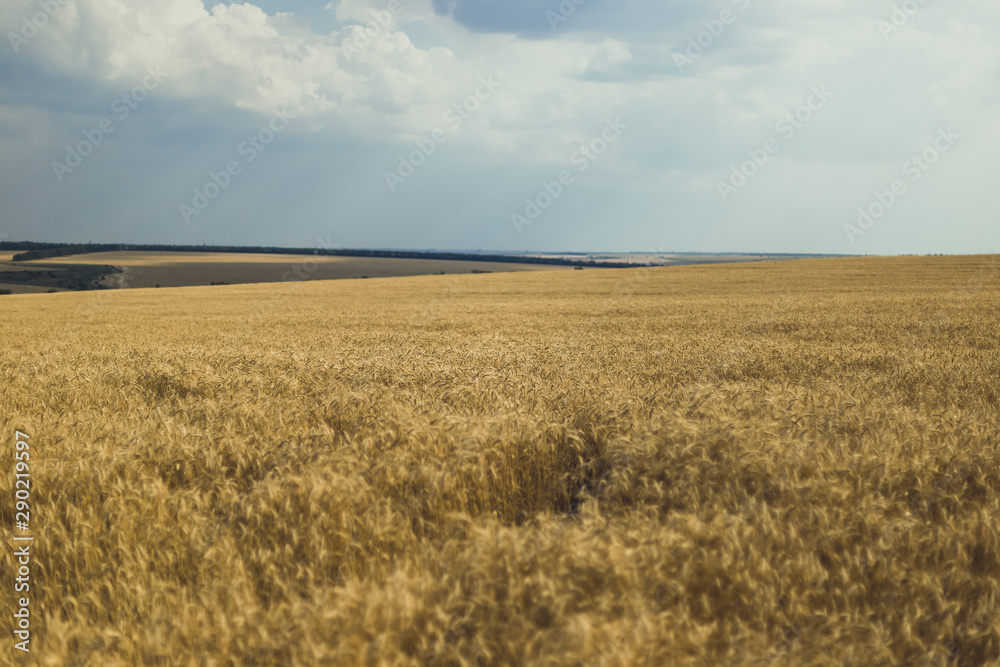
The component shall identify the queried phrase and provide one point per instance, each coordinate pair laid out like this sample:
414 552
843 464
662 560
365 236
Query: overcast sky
834 126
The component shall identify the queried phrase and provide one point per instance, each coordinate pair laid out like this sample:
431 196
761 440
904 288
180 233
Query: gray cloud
643 19
232 66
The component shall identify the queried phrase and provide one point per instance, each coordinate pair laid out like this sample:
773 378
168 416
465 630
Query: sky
834 126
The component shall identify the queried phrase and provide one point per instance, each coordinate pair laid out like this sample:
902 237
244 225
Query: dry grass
780 464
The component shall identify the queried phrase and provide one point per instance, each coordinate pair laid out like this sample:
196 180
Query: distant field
18 288
769 464
147 269
35 277
673 259
160 258
143 269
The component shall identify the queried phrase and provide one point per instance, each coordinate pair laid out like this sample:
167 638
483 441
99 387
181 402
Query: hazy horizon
129 246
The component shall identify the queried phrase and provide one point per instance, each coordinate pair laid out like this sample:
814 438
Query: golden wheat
765 464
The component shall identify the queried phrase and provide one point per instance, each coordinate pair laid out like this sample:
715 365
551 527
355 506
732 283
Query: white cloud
239 55
609 58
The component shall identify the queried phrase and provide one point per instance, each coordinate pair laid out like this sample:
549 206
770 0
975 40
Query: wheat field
780 464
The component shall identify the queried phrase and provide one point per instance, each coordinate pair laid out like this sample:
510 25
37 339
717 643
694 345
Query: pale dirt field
671 259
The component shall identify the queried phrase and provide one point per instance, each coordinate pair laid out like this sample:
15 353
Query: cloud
240 54
365 90
510 16
609 58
